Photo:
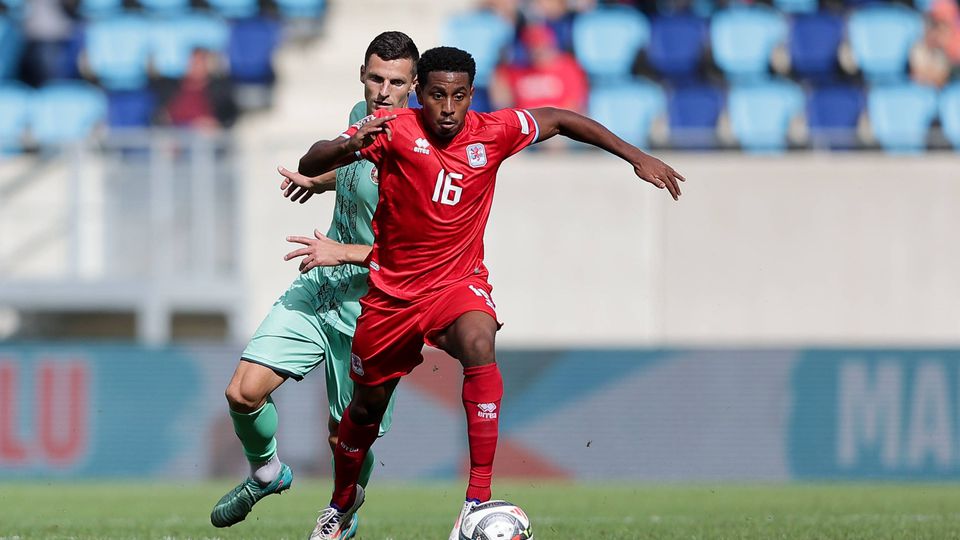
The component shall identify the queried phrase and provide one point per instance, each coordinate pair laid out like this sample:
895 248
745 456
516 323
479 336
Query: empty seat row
55 114
121 52
94 9
606 41
760 113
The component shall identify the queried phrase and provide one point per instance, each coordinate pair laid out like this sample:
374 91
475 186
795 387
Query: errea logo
487 410
422 146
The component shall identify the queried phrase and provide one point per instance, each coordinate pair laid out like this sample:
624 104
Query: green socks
256 431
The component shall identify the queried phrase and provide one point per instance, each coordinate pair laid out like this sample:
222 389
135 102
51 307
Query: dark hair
392 46
448 59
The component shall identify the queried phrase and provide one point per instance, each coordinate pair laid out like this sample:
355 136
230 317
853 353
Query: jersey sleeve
372 152
519 129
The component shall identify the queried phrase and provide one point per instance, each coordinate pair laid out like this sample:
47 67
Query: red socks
482 390
354 442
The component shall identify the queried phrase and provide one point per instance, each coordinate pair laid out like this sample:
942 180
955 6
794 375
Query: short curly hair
447 59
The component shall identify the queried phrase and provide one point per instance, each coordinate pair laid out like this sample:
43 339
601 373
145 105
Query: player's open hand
659 174
368 132
317 251
299 188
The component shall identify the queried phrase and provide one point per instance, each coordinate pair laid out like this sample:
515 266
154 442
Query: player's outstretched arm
293 184
554 121
325 156
322 251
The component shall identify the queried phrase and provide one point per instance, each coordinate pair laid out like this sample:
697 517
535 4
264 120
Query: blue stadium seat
235 9
14 115
694 111
833 113
628 109
11 45
881 37
901 114
130 108
761 112
250 52
482 33
166 7
301 9
677 44
606 41
117 51
63 112
814 40
796 6
950 113
173 40
93 9
743 38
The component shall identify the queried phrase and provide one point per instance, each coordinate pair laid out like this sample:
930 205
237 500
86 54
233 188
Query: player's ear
363 71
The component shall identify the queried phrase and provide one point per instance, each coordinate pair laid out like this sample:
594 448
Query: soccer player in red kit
428 284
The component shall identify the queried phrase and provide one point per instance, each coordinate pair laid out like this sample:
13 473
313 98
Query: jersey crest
476 155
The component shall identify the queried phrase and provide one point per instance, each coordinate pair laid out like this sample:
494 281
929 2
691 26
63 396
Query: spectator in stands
936 57
553 78
556 15
49 27
203 99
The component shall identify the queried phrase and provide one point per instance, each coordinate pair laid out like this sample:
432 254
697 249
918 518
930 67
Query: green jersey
341 287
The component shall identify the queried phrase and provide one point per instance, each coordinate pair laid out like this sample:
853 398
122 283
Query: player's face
445 97
387 83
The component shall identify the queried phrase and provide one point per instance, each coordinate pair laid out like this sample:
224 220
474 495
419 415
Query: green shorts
292 341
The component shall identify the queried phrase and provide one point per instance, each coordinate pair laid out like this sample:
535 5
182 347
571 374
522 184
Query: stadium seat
235 9
676 45
250 51
743 38
628 109
482 33
63 112
11 45
950 113
761 113
901 114
14 115
93 9
881 37
606 41
694 111
174 39
117 51
814 40
130 108
301 9
833 113
166 7
796 6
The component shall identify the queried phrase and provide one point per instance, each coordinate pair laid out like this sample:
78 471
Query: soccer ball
496 520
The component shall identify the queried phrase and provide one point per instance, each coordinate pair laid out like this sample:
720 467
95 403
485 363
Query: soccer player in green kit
314 320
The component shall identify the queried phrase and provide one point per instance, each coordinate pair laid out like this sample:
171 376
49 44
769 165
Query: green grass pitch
558 511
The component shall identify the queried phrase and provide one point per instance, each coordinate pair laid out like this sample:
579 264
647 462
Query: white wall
804 249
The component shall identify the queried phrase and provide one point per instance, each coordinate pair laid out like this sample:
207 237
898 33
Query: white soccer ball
496 520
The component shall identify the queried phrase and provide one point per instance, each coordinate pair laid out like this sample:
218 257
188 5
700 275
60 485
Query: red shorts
391 332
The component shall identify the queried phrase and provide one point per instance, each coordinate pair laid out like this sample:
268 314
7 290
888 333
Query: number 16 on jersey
445 192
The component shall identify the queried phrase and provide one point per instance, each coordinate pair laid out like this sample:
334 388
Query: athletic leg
470 339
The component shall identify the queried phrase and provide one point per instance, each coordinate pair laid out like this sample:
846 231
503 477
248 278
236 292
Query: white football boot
467 507
335 524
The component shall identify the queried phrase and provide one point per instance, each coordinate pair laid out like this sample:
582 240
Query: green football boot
233 507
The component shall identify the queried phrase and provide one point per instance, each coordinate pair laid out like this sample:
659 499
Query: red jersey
435 197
